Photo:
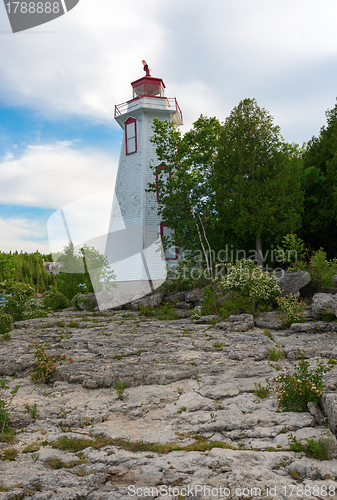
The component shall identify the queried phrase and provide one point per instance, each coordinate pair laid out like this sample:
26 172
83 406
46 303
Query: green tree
97 270
182 183
256 177
319 182
7 267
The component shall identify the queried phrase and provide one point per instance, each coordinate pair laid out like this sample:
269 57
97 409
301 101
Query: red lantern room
148 86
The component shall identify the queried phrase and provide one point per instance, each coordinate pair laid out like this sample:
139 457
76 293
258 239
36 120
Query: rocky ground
188 385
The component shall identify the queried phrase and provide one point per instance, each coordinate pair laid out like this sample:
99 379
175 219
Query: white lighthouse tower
135 229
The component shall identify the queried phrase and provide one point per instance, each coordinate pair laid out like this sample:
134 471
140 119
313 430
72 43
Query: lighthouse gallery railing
166 103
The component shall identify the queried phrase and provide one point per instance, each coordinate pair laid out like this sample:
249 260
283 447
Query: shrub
319 449
5 402
46 365
55 300
291 252
248 278
292 310
211 303
295 391
322 271
18 301
184 276
84 301
5 323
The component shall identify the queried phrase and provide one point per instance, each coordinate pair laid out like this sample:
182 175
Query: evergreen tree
319 181
256 177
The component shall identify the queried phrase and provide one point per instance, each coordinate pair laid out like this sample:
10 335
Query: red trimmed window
171 253
161 167
130 136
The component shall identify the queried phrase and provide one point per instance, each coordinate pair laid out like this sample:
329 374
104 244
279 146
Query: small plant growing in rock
10 454
276 353
5 323
218 345
262 392
183 408
267 333
46 365
73 324
32 410
292 310
120 388
319 449
5 402
295 391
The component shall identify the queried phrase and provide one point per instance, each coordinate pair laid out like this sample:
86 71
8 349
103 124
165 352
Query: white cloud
54 175
232 50
23 234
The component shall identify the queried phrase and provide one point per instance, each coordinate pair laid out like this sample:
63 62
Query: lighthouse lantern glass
148 89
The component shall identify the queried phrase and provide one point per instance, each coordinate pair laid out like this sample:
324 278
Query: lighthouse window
130 136
171 253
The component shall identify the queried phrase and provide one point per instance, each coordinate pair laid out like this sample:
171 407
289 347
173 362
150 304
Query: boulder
317 327
204 320
194 295
87 302
269 320
175 297
237 323
324 303
184 305
291 283
153 300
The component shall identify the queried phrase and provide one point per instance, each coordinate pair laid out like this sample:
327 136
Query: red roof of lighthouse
148 79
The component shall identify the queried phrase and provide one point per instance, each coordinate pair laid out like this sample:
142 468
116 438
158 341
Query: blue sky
59 84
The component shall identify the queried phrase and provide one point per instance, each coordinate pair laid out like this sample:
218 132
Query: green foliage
25 268
247 278
267 333
6 399
120 388
54 300
5 323
83 272
164 312
319 183
276 353
292 310
185 275
97 270
291 252
218 345
211 304
236 303
185 197
260 391
256 177
33 411
45 364
10 454
319 449
304 385
183 408
81 299
321 270
18 302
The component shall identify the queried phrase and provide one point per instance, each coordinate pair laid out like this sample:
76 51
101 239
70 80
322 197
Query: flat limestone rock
144 396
